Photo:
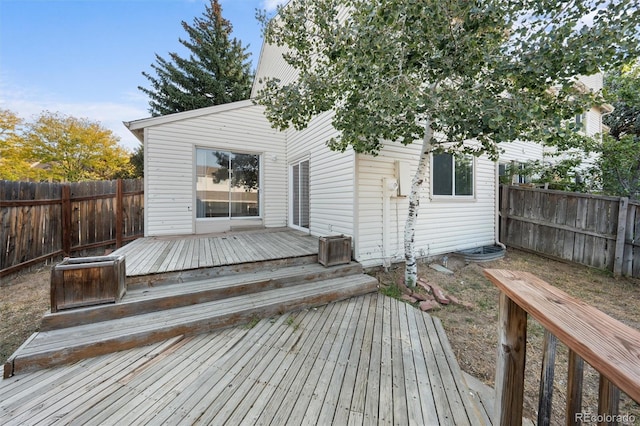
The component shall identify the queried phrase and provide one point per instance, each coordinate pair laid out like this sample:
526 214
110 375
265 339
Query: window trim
453 196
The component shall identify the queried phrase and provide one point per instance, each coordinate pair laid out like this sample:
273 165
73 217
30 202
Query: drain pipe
497 208
389 187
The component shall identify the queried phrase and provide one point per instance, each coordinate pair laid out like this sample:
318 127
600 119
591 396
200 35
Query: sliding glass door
299 211
227 184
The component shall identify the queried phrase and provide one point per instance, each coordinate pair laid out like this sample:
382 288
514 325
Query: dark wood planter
334 250
86 281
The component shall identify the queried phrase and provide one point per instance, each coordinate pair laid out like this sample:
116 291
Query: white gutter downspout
389 188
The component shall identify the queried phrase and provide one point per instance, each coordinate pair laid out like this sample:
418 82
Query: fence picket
39 221
581 228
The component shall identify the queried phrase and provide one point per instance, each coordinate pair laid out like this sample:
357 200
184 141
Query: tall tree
137 161
444 72
13 164
619 160
217 70
74 149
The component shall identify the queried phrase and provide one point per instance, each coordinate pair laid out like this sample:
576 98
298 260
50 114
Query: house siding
272 65
170 173
331 177
443 225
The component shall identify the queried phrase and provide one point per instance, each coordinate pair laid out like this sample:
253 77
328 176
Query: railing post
546 379
574 388
510 363
608 401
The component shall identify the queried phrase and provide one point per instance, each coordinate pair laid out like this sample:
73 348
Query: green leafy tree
443 72
619 160
217 70
137 162
74 149
13 164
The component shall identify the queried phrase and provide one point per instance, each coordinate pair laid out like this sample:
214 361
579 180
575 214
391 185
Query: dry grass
473 332
23 302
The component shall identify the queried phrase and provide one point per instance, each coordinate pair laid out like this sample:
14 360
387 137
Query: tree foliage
444 72
60 148
13 164
137 162
217 70
619 160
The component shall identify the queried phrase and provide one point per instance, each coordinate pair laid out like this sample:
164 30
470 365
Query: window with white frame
227 184
452 175
514 172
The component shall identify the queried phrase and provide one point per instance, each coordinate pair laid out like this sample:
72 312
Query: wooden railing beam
608 345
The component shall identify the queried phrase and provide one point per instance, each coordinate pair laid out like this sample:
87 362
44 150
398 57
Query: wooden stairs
159 309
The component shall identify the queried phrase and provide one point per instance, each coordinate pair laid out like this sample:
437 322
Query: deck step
141 300
49 348
203 273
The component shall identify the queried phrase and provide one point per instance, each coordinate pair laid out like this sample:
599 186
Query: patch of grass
391 290
291 322
252 323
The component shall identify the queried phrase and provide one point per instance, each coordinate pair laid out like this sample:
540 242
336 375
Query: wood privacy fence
39 221
598 231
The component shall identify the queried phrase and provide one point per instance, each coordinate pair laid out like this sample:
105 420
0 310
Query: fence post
66 219
504 211
621 236
119 212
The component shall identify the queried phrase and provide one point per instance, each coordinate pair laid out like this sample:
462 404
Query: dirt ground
472 331
23 302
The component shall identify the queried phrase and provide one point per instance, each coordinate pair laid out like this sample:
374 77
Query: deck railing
609 346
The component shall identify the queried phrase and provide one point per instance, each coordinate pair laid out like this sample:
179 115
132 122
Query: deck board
155 255
365 358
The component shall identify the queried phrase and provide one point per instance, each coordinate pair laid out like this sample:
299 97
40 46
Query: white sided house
223 167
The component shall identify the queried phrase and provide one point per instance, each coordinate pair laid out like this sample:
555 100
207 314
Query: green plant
253 322
291 322
391 290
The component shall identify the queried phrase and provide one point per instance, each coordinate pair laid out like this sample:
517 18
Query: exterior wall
271 64
521 151
593 122
331 177
170 168
444 225
594 82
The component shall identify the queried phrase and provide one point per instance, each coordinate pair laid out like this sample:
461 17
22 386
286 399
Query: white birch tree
460 76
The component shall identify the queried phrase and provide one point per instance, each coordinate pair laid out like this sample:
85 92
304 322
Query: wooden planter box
86 281
334 250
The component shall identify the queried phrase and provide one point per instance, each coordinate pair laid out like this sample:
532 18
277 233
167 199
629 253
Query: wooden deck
366 360
157 255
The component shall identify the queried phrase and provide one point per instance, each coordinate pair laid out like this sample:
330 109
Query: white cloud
270 5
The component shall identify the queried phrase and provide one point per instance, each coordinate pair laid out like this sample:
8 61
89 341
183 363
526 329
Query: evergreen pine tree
217 71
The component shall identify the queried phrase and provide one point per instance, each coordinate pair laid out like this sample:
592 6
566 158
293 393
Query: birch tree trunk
411 267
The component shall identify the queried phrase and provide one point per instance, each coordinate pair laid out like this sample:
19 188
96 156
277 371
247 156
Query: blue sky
85 57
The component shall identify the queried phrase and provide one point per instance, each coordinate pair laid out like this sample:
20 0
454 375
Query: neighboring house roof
137 126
